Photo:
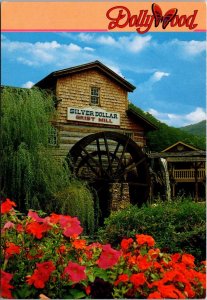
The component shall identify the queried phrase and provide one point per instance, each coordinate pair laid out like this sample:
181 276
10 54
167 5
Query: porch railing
188 174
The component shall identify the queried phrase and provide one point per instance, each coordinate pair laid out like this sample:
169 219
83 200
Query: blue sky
168 69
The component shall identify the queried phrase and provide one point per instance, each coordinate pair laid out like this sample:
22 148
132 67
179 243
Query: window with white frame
95 96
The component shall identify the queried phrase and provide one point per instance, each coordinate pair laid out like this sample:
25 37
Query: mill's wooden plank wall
74 90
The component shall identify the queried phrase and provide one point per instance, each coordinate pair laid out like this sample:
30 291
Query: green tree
29 173
166 135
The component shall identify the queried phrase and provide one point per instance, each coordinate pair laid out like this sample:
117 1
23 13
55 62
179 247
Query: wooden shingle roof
50 80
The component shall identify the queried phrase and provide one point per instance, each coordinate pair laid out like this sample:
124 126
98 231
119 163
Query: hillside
196 129
166 135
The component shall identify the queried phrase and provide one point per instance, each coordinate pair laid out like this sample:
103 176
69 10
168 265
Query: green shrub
176 226
77 200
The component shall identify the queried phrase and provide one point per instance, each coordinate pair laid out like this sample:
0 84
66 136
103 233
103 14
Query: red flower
35 217
5 285
154 253
54 218
138 279
19 228
188 260
170 291
79 244
7 205
126 243
61 249
175 257
37 229
46 267
154 295
121 278
36 279
145 239
143 263
70 226
109 257
41 274
75 271
88 290
11 249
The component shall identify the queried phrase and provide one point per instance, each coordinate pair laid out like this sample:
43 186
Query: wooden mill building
94 124
92 98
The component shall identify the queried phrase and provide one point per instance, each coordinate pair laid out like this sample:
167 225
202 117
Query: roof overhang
52 77
146 123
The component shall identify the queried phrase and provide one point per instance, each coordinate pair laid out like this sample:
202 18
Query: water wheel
108 157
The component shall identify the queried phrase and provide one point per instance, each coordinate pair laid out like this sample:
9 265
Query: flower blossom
145 239
41 274
7 206
71 226
109 257
121 278
188 260
11 249
137 279
37 229
75 272
5 285
126 243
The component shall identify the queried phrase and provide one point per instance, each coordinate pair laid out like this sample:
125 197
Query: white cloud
115 69
72 47
89 49
107 40
130 43
158 75
146 87
41 53
197 115
28 84
138 43
179 120
190 48
85 37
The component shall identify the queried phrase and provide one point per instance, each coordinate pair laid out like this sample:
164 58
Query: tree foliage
166 136
196 129
30 174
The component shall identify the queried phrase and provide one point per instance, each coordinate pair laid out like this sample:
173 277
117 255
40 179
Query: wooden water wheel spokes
109 157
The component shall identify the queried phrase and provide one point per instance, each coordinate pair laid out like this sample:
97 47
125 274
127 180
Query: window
95 96
52 136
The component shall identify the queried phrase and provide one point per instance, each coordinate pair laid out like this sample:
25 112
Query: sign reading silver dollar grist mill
93 115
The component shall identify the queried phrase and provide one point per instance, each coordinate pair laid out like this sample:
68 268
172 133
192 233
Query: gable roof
142 120
189 147
50 80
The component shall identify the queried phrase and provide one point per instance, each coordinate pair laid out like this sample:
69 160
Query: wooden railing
188 174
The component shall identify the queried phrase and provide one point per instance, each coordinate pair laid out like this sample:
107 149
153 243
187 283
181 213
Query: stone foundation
119 196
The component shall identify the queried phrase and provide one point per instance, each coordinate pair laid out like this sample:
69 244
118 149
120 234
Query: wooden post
173 189
196 181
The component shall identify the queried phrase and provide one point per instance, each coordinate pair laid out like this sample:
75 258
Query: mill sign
93 115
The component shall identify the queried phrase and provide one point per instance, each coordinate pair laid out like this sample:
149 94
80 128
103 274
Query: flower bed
46 255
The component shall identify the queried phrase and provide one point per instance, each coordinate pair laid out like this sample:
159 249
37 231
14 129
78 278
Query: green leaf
101 274
77 294
155 276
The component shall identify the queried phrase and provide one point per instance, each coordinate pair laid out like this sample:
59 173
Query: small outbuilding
187 169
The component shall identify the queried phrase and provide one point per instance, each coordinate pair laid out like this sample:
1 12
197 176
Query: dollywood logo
121 17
